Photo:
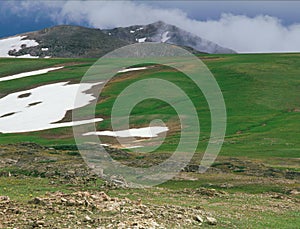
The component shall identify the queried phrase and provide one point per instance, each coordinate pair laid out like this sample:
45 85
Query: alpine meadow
51 175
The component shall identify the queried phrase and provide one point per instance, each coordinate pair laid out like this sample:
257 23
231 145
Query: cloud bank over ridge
261 33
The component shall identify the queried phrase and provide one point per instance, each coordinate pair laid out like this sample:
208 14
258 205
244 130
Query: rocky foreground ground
97 210
42 187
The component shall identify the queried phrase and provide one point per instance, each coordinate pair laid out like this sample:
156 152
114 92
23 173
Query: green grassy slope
261 93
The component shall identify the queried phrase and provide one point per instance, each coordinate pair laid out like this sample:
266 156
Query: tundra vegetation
254 183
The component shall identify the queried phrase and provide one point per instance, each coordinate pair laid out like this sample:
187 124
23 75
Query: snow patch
15 43
146 132
104 144
25 56
142 40
165 37
133 147
42 107
132 31
26 74
132 69
45 49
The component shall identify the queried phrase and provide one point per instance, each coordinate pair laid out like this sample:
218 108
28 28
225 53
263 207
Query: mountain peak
80 42
162 32
159 23
65 41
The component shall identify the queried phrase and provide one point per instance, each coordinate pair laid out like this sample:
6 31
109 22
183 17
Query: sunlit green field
260 91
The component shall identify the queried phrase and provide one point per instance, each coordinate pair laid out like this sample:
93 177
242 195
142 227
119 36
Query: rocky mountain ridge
67 41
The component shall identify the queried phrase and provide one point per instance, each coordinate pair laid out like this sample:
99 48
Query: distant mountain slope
165 33
66 41
79 42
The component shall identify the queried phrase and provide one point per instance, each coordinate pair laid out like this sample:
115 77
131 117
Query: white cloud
244 34
241 33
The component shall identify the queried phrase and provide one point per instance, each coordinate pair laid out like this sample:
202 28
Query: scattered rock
37 200
4 199
278 196
294 192
40 222
87 219
226 185
88 209
296 110
211 220
63 200
198 218
210 192
119 182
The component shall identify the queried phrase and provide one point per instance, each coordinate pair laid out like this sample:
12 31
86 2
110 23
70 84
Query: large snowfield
44 107
40 108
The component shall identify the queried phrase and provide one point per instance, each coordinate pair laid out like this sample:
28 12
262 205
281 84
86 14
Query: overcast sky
256 26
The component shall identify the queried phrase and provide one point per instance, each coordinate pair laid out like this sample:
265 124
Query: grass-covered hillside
254 183
260 93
